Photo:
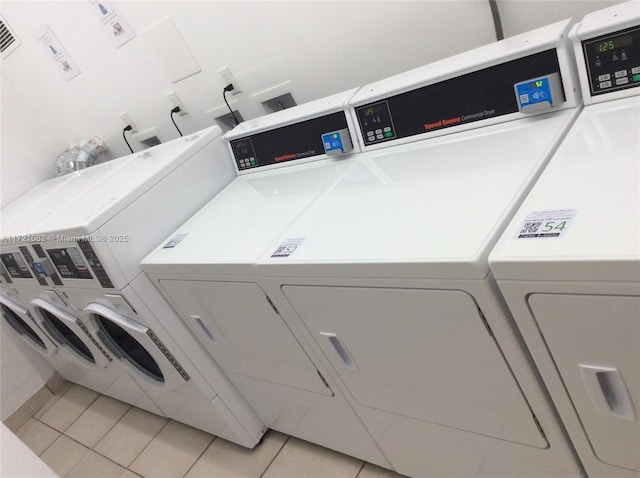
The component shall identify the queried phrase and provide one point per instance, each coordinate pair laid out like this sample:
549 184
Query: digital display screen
618 42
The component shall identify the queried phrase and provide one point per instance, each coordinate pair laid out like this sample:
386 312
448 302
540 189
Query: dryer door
69 332
136 347
19 320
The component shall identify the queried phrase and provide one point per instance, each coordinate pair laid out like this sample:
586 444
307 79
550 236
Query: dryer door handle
341 350
608 391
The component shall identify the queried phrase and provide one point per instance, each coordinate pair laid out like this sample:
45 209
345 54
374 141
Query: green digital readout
612 43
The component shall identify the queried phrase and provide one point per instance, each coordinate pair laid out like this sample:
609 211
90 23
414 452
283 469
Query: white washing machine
390 279
210 275
90 248
68 348
569 262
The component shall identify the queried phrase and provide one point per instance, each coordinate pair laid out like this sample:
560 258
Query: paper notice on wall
58 54
113 23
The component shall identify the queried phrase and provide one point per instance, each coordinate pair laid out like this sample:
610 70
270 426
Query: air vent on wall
8 40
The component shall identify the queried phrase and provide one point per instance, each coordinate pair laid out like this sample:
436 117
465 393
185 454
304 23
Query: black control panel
464 99
16 265
95 264
29 258
69 263
287 143
613 61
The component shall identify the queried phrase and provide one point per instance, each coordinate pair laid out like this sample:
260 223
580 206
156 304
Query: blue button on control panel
539 94
337 142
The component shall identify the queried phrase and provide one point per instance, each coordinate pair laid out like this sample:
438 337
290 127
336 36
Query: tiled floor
82 434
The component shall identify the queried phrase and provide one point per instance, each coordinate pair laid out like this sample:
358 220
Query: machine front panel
422 354
69 263
15 265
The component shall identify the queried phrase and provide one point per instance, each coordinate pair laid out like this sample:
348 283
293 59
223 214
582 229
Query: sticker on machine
550 224
175 240
288 247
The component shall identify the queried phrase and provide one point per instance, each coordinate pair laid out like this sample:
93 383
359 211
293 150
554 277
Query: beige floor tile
63 455
58 385
224 459
124 442
97 420
28 409
299 458
37 435
373 471
94 465
172 452
129 474
68 408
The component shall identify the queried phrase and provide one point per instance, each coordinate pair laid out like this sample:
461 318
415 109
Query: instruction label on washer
546 224
175 240
288 247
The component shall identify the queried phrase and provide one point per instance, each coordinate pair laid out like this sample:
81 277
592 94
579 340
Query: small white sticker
546 224
175 240
288 247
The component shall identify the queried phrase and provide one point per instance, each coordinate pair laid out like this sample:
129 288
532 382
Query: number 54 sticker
546 224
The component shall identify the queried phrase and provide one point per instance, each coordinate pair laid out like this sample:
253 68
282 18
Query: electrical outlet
175 101
127 121
228 79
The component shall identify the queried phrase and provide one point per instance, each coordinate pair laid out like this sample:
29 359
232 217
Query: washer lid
595 172
431 209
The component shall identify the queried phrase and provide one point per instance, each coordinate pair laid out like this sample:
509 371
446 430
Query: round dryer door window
22 327
135 345
122 344
71 333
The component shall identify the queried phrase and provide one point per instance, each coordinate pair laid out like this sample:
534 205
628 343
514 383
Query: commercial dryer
568 264
90 248
390 279
206 269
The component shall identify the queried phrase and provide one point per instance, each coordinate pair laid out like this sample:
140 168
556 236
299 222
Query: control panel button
622 81
635 70
370 133
621 73
604 77
379 136
387 129
605 84
379 131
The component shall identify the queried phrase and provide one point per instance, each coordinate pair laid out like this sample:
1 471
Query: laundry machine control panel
613 61
474 96
69 263
301 140
14 265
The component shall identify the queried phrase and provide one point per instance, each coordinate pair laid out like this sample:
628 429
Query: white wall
519 16
322 47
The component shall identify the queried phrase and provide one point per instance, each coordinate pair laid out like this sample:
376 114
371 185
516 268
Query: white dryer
207 271
569 262
90 248
390 281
